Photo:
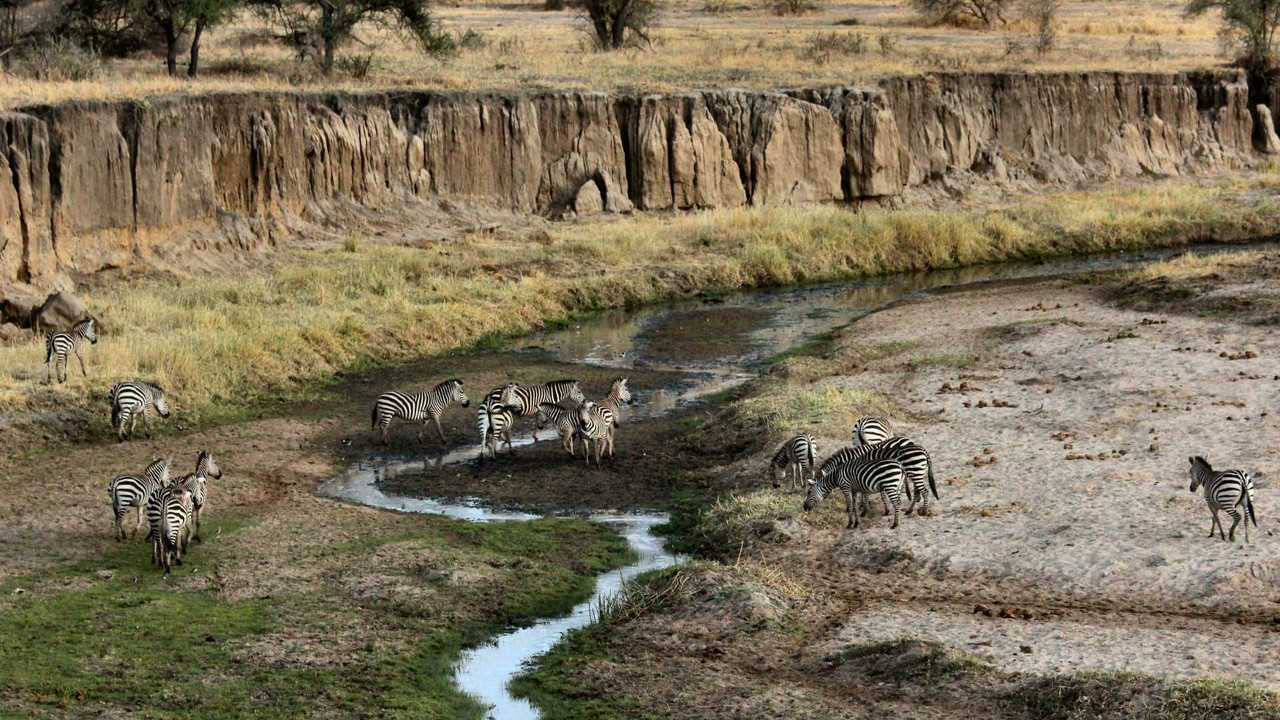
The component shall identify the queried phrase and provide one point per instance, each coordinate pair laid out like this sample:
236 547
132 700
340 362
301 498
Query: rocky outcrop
90 185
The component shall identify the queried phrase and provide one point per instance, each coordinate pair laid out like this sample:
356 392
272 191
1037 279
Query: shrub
793 7
56 59
821 47
1044 14
356 66
962 12
616 23
1249 28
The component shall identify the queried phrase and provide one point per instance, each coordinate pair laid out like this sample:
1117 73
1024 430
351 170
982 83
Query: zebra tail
933 487
482 423
813 466
373 417
115 416
1248 506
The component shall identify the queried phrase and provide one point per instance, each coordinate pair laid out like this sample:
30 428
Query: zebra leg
119 525
81 359
913 497
1216 523
439 430
1235 520
138 526
849 501
146 422
884 496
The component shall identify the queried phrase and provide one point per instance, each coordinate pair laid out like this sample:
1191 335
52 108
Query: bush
822 47
1044 14
793 7
962 12
56 59
1249 29
471 40
356 66
617 23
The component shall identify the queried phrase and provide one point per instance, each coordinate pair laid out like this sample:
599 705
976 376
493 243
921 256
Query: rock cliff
90 185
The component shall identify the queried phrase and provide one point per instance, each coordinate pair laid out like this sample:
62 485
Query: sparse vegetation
793 7
984 13
1044 15
617 23
1123 696
317 29
1248 31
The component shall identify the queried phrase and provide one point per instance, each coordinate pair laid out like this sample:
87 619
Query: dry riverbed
1066 552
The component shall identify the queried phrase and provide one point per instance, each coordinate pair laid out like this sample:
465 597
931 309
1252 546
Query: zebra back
871 431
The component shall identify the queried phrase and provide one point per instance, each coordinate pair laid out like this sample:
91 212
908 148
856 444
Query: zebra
598 420
1224 490
871 431
418 407
206 468
130 400
565 422
133 491
58 345
523 400
916 460
858 478
499 420
169 512
796 459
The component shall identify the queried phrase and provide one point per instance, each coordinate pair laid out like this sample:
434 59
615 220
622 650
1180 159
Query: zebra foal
169 512
128 492
565 422
885 477
597 421
421 407
195 483
1224 490
796 460
59 345
507 402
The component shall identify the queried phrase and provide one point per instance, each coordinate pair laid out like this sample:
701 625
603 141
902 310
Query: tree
175 19
327 25
205 14
985 12
615 22
1249 27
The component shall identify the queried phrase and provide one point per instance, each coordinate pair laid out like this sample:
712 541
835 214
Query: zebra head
575 393
510 396
815 495
621 391
585 410
459 393
1201 471
159 400
544 415
88 329
206 466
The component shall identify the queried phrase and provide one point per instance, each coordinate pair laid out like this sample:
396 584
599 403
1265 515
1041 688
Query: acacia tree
1249 26
985 12
615 22
327 25
176 19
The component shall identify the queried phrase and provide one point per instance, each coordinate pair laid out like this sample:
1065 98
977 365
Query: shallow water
747 330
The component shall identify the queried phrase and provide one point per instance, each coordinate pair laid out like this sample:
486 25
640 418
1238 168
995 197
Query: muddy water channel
706 345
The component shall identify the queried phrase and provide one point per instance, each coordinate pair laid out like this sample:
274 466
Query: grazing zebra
58 345
169 512
565 422
915 459
796 459
499 420
597 421
418 407
133 491
130 400
523 400
1225 490
871 431
861 477
206 467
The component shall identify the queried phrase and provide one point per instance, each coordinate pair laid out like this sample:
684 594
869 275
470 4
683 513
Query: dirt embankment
88 186
1060 415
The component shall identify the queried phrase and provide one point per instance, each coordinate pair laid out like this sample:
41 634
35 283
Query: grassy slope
180 649
221 344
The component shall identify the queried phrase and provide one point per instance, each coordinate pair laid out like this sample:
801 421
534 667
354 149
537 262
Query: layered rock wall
89 185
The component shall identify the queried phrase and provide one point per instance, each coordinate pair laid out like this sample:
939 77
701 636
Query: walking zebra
58 345
133 491
498 421
861 477
130 400
1224 490
418 407
565 422
915 460
796 459
206 467
871 431
169 512
523 400
597 421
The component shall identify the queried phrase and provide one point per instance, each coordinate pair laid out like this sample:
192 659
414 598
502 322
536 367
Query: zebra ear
813 482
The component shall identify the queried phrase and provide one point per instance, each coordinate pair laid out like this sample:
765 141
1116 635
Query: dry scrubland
1067 574
698 44
222 343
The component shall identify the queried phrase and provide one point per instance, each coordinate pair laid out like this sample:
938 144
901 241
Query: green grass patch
1126 696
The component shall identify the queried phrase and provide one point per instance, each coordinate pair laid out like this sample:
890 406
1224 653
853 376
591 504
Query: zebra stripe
59 345
565 422
1225 490
131 400
499 419
866 476
915 459
871 431
599 420
133 491
195 483
796 460
524 401
169 512
418 407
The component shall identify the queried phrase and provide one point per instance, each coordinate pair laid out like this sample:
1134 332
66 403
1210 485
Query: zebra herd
173 506
558 404
880 464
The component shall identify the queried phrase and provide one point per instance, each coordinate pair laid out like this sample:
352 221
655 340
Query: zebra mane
561 383
842 456
453 381
1199 463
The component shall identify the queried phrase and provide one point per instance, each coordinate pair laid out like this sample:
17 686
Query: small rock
1026 649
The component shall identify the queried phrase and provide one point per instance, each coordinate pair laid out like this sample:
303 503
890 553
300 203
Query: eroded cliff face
91 185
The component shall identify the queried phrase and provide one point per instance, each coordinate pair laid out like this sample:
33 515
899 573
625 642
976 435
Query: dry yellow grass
748 46
219 342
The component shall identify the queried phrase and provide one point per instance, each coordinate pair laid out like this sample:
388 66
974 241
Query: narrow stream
732 338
